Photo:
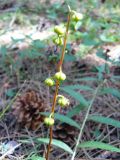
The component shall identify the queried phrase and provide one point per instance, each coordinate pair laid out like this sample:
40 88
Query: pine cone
65 133
27 108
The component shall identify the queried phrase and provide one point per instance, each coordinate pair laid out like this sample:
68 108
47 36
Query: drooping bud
59 30
49 121
77 16
49 82
60 76
63 101
58 41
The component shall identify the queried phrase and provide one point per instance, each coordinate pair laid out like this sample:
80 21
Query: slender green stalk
57 84
84 122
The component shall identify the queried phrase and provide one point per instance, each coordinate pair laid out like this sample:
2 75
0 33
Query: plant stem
64 45
58 84
50 141
85 119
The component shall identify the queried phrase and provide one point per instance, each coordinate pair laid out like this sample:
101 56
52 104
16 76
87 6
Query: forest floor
27 57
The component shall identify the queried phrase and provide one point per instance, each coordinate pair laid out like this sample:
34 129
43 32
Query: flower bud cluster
60 76
76 16
76 20
49 121
49 82
63 101
59 30
58 40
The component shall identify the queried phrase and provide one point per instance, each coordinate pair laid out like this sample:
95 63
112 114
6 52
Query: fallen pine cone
65 133
27 108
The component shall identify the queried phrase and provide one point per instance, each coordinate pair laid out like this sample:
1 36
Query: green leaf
116 77
86 79
78 25
100 53
112 91
105 120
81 87
38 44
55 142
16 40
3 50
34 157
98 145
90 42
74 111
63 118
69 58
10 93
76 95
106 38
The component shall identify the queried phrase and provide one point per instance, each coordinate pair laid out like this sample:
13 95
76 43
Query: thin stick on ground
84 122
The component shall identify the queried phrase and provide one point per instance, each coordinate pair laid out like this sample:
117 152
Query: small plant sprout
49 82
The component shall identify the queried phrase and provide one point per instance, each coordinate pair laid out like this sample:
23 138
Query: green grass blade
55 142
99 145
86 79
34 157
80 87
105 120
112 91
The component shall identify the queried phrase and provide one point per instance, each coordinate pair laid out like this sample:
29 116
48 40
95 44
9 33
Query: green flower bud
77 16
59 30
49 82
63 102
60 76
49 121
58 41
